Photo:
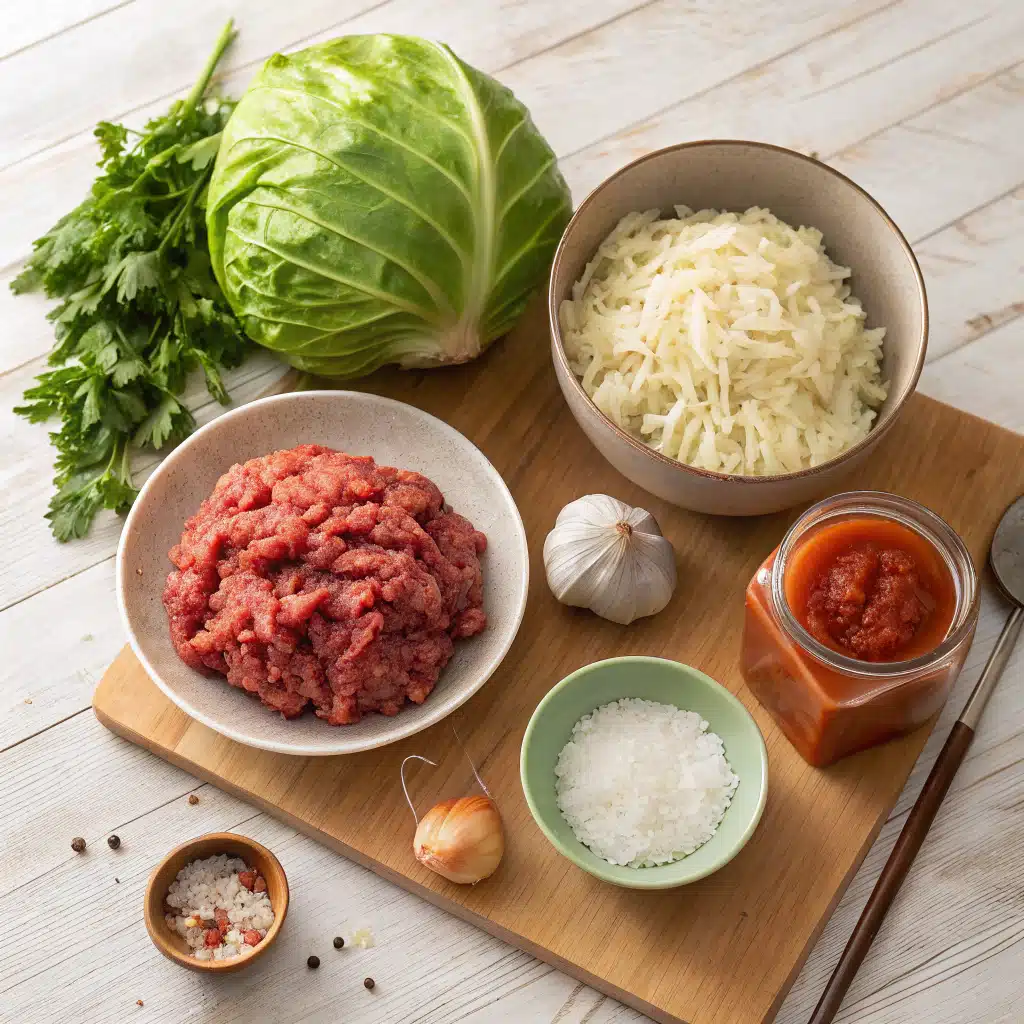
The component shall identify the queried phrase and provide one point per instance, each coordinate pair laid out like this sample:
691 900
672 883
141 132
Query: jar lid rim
908 513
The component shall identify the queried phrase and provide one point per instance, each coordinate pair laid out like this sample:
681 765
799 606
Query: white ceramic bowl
735 175
395 434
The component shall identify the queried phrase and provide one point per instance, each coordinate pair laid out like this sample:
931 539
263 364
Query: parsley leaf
139 308
169 420
112 139
200 153
135 272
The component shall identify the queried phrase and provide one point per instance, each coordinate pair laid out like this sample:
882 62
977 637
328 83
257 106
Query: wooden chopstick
895 870
916 828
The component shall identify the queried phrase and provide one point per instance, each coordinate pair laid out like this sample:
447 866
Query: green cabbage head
376 200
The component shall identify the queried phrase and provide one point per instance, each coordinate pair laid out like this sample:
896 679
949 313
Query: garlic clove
580 560
461 840
596 510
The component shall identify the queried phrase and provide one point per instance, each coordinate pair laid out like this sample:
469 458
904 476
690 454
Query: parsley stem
126 469
117 450
157 324
171 237
223 42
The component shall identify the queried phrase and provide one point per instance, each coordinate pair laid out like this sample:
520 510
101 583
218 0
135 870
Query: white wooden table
921 101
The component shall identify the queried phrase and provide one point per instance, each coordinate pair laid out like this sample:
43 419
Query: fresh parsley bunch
140 307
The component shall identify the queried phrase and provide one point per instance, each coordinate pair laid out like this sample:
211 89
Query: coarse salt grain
643 783
204 887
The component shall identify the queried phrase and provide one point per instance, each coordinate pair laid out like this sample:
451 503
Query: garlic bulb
462 839
611 558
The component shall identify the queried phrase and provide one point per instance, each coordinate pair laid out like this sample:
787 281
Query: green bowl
667 682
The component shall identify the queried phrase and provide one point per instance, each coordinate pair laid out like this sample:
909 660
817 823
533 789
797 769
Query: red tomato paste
871 589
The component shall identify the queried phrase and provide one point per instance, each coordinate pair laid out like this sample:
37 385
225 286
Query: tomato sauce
871 589
878 592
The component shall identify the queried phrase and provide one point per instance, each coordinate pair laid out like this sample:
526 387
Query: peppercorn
338 942
193 799
78 844
313 963
368 983
113 842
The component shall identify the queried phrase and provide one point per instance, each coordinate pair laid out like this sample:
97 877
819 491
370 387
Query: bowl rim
600 870
874 435
294 748
213 966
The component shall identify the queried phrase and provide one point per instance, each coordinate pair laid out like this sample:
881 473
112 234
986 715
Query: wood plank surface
824 79
817 825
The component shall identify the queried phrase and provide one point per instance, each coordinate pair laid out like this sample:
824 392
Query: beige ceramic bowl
255 855
395 434
734 175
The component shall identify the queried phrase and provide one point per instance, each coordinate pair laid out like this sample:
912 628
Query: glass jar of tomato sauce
828 698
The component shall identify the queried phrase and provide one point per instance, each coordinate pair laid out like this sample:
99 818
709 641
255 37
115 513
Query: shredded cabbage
727 341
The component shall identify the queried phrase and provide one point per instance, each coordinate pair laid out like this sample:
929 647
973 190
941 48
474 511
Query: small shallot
460 839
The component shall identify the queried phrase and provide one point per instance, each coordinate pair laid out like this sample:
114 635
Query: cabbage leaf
376 200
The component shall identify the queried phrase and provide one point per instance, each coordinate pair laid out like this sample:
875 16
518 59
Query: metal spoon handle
993 668
918 822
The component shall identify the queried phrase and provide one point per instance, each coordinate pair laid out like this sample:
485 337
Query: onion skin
461 840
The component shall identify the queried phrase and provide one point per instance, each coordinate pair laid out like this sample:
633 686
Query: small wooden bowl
172 945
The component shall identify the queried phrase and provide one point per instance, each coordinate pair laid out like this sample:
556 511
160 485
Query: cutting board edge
437 899
869 840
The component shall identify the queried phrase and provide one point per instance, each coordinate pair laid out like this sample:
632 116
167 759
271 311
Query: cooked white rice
727 341
643 783
202 886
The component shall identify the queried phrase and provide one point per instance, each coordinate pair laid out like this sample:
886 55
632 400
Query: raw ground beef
312 576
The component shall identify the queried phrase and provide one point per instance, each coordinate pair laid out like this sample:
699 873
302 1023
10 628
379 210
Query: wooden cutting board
721 951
